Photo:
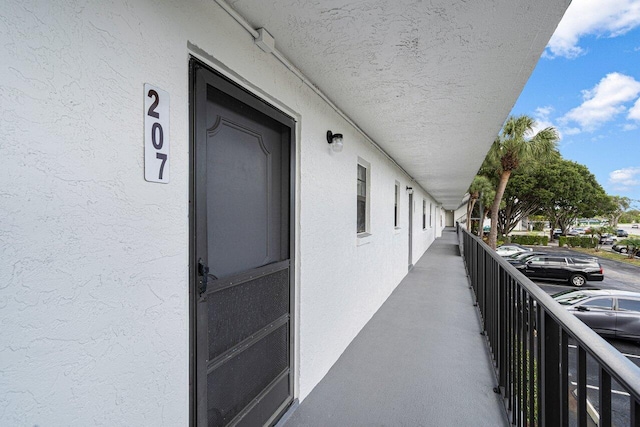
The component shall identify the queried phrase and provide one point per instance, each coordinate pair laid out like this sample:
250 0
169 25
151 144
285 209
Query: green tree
513 147
538 222
630 217
569 191
632 244
485 201
520 198
599 232
620 205
478 187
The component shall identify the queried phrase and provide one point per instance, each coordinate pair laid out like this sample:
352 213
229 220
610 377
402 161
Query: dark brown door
241 254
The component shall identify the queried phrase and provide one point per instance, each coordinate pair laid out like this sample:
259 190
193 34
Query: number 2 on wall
156 124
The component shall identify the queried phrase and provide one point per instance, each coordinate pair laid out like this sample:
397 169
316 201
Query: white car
506 250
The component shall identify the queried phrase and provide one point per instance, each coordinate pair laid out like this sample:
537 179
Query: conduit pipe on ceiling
255 34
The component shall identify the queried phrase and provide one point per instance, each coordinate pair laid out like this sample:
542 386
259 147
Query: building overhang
430 82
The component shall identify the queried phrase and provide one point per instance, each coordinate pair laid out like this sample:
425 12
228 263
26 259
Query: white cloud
624 179
571 131
543 121
629 127
605 101
634 112
544 112
602 18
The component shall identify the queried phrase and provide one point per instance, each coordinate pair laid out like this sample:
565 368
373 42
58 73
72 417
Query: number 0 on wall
156 134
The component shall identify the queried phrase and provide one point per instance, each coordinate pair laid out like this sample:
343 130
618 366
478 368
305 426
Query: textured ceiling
431 82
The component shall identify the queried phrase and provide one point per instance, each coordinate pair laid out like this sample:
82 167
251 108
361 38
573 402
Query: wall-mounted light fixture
410 190
335 141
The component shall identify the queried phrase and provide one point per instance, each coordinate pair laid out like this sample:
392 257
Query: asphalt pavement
620 276
617 275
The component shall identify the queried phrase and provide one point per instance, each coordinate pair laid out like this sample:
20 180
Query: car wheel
577 280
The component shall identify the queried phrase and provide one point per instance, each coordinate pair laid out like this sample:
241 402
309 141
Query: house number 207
156 134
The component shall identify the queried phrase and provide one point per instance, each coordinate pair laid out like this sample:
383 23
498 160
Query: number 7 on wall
156 134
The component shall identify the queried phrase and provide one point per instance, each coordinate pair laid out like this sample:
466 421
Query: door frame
255 101
410 230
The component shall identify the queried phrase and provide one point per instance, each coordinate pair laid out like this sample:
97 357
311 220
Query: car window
536 260
582 261
570 297
555 260
629 304
522 255
606 303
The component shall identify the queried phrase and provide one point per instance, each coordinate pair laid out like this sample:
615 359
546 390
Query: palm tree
599 232
511 149
485 200
633 246
478 187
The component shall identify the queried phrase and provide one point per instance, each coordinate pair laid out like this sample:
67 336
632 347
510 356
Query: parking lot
620 276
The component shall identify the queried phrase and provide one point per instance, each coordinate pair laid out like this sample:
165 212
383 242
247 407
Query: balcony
479 346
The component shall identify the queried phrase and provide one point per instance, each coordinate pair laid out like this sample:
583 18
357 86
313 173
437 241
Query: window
430 215
424 214
581 261
629 305
571 298
605 303
396 208
363 195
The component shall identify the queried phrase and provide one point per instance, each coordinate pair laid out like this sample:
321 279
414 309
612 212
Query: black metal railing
531 336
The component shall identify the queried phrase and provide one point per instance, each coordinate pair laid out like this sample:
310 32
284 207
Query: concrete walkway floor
420 361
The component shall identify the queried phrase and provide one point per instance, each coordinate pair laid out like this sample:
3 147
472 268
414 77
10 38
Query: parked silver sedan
610 313
510 249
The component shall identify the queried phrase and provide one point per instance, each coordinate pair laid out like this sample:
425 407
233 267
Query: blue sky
587 85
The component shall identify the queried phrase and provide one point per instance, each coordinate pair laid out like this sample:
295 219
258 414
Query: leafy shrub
538 225
577 241
530 240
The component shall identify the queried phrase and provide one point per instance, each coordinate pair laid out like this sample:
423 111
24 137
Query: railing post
510 353
502 328
531 357
582 386
550 384
564 377
635 413
605 398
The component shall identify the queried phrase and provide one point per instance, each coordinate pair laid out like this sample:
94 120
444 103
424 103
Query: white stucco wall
94 308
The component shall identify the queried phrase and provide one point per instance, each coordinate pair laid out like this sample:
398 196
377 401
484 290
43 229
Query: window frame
589 302
628 310
396 210
366 198
430 215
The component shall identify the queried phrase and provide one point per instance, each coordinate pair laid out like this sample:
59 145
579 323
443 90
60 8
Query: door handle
203 272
